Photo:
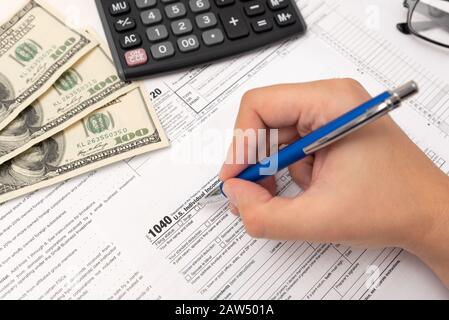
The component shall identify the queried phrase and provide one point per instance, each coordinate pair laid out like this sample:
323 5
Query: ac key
130 40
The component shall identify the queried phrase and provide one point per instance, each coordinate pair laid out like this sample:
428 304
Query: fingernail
230 195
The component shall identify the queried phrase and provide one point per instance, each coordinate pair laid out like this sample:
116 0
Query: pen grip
295 151
279 161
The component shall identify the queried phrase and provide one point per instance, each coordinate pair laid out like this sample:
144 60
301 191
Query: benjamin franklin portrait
33 165
21 129
6 95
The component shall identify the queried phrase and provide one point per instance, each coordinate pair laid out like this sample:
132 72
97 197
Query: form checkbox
180 223
207 224
197 208
218 240
283 179
188 278
223 245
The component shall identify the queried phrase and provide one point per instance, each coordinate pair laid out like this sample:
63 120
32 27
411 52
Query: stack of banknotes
63 109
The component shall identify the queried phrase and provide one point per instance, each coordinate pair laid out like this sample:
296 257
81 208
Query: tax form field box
356 277
192 98
326 283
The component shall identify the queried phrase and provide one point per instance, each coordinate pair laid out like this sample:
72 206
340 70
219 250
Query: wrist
430 241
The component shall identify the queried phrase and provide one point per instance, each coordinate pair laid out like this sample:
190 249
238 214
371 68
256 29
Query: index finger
302 106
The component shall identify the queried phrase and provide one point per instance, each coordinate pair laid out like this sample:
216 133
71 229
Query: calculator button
162 50
182 26
254 9
224 3
124 24
234 24
119 7
130 40
213 37
284 18
145 4
151 16
277 4
188 43
206 20
262 25
157 33
136 57
199 5
175 10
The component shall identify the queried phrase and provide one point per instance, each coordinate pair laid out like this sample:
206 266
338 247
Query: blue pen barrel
270 166
295 151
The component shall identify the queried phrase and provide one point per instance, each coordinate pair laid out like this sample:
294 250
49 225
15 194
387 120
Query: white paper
90 237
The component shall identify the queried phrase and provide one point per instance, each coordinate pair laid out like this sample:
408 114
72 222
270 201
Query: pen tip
216 195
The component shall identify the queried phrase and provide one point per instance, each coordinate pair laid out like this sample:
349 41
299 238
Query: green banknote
36 48
127 127
88 85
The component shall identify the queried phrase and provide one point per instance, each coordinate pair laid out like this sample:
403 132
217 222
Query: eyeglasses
427 20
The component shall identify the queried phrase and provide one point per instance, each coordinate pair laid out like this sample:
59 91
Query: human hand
374 188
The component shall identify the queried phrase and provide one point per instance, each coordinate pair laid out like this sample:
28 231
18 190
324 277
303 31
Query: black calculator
155 36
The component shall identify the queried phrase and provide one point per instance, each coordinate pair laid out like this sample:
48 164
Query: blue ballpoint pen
324 136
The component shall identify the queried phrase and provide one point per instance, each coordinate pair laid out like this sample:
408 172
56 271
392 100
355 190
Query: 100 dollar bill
124 129
88 85
36 48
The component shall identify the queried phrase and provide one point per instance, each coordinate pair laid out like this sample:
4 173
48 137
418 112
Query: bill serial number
103 137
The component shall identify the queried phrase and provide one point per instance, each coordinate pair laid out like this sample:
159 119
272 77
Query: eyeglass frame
407 28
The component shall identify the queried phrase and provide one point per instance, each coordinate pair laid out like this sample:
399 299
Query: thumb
243 194
265 216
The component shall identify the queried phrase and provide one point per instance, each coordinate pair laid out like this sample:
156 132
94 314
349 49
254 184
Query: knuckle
249 97
352 88
351 83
